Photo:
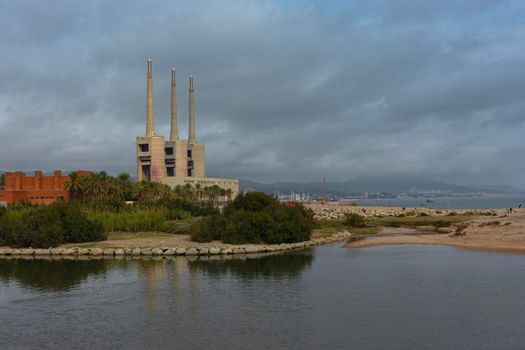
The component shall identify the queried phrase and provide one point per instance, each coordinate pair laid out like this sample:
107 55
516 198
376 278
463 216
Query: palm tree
229 194
75 186
123 186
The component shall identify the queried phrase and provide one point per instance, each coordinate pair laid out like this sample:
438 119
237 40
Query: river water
328 297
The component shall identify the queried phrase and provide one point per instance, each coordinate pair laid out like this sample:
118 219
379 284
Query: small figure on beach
519 206
510 210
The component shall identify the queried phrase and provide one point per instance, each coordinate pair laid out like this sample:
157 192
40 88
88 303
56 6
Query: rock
55 251
444 230
146 251
135 252
27 251
192 251
96 251
180 251
69 252
169 251
119 252
226 251
238 250
269 248
108 252
128 251
203 250
251 249
215 250
157 251
41 251
83 251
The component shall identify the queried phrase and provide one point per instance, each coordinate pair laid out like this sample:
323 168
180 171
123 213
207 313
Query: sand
507 236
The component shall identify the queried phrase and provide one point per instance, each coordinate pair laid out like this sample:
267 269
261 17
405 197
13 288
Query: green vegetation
353 223
122 205
490 223
102 204
354 220
357 224
414 221
256 218
47 226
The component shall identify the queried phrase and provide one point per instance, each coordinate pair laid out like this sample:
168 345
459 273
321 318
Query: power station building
174 161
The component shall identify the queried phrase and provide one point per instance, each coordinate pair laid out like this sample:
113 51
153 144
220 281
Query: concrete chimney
150 118
174 132
191 131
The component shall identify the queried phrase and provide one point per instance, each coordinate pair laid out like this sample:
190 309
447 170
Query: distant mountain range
376 184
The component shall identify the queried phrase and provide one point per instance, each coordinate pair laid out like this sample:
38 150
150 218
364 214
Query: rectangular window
189 153
169 151
144 147
170 171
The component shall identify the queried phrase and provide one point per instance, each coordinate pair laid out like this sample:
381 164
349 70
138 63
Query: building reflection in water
182 274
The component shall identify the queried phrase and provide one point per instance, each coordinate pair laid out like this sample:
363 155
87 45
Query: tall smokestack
191 131
174 132
150 118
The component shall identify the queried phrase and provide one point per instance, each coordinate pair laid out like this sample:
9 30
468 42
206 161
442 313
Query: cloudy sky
286 90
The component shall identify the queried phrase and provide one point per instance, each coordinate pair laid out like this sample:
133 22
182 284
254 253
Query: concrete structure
174 161
37 189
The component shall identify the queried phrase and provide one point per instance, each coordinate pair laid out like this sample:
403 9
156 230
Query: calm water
392 297
450 203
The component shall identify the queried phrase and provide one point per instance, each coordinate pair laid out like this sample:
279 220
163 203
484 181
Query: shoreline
499 234
371 242
194 250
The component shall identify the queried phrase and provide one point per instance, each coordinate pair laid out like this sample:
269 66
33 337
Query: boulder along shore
195 250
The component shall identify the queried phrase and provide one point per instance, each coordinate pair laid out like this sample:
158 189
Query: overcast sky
285 90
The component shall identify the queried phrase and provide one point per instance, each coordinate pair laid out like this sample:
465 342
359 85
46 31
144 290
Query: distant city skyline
289 91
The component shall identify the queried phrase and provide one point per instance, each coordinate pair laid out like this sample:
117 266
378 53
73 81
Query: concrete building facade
174 161
37 189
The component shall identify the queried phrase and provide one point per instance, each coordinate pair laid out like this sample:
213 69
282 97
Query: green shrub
422 214
256 218
47 226
354 220
452 213
490 223
442 223
208 229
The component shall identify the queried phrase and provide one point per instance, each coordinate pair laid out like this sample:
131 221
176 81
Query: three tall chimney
174 132
150 118
191 130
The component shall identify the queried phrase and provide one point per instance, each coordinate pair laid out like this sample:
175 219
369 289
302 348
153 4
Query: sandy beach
505 233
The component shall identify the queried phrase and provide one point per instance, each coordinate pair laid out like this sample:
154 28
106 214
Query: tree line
100 185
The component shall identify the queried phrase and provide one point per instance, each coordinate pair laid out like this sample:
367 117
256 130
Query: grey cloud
290 92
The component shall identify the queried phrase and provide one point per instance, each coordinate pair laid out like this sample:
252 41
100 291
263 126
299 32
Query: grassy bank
373 225
414 221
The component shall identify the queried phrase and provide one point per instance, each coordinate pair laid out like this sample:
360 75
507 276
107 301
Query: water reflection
50 275
62 274
270 266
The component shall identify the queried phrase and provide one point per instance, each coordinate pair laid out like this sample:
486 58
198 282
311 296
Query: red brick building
38 189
